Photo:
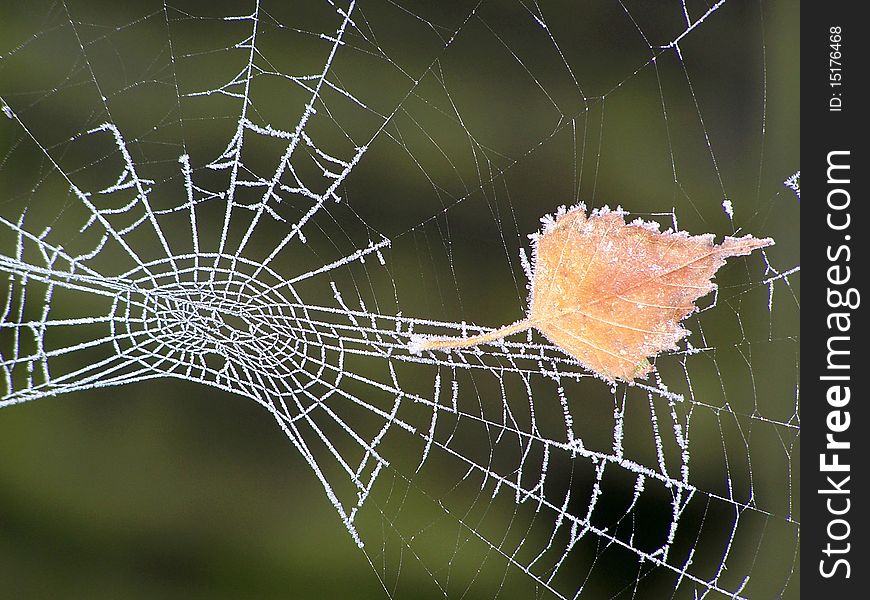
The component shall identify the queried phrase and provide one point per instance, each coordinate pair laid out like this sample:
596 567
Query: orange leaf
612 294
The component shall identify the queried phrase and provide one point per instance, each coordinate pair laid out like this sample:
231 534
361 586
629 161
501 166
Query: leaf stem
466 342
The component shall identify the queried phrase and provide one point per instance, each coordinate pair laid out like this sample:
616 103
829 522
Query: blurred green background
168 489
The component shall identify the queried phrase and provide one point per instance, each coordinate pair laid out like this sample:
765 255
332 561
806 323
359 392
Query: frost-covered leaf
613 294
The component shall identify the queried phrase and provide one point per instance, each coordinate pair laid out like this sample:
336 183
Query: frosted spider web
273 200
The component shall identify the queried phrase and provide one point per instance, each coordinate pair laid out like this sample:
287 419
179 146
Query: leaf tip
732 246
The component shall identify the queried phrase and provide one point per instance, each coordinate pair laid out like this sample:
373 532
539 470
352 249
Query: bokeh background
171 490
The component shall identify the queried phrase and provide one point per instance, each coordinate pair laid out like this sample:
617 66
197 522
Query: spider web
275 200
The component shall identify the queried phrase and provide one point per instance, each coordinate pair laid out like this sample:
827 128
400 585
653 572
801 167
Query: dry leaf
612 294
